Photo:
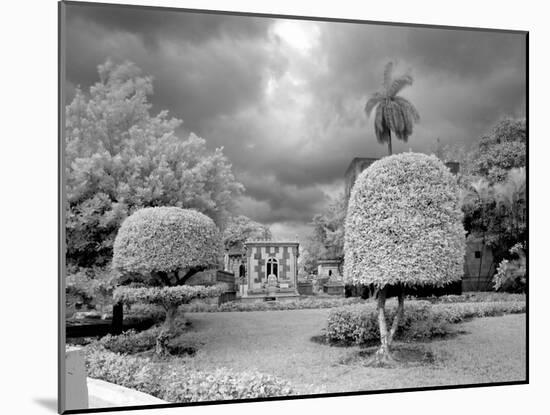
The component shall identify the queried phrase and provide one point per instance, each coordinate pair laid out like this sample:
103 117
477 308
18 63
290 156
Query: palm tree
393 113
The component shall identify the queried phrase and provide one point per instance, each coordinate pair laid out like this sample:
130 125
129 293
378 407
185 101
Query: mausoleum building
271 269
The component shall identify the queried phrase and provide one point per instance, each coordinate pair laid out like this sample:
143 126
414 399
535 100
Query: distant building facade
271 269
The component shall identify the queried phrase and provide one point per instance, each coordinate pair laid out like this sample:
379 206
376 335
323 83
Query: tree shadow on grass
324 340
405 355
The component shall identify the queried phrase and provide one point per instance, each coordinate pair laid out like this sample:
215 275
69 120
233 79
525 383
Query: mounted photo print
259 207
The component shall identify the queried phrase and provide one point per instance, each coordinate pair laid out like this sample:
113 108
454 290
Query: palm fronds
398 84
393 113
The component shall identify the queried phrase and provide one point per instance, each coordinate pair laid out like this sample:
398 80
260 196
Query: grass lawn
279 342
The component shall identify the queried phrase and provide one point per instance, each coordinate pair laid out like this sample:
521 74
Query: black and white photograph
260 207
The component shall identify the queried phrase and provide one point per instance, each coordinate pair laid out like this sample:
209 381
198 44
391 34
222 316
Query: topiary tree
160 248
403 228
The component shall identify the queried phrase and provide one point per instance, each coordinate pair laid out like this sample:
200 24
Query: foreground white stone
103 394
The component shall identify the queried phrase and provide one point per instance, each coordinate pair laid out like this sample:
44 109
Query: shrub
113 367
511 274
130 341
357 324
166 239
93 287
179 383
146 312
222 384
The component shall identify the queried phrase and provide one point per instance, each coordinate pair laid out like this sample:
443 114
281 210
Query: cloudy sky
285 97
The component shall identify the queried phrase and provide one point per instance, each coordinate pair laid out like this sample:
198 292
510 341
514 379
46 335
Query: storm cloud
285 98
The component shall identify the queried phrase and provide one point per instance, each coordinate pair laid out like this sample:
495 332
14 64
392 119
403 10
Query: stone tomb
329 268
271 269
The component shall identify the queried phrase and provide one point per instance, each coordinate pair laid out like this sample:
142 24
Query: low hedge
475 297
299 304
328 302
358 324
178 383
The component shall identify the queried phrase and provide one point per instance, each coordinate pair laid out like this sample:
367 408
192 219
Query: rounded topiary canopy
164 239
404 224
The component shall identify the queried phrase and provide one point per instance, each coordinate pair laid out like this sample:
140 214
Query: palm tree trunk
389 143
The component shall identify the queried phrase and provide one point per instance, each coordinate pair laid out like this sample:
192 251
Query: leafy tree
328 229
160 249
310 253
241 228
403 228
393 112
327 239
120 158
497 212
504 148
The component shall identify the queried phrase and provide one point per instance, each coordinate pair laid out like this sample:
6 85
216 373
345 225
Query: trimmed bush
180 383
164 239
404 224
166 296
358 324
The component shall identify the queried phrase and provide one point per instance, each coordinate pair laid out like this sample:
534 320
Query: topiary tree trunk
170 320
383 355
170 298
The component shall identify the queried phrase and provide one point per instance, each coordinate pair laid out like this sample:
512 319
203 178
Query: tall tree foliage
498 212
328 229
326 241
120 158
494 189
393 112
240 228
504 148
